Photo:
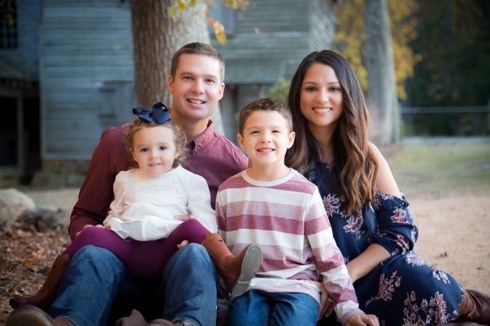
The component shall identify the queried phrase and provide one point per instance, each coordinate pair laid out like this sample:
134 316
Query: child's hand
107 227
182 217
183 244
362 320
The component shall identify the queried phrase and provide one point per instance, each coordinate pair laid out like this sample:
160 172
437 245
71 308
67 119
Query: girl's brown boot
236 272
46 295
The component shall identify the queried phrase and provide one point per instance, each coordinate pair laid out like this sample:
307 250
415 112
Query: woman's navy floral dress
403 289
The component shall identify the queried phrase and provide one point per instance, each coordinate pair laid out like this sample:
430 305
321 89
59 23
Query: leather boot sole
250 265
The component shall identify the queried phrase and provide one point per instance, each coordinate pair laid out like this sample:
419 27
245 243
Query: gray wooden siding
86 60
289 30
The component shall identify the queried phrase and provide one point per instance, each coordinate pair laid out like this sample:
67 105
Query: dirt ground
454 231
454 238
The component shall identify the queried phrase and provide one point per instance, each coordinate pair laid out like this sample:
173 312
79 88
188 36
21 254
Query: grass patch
442 170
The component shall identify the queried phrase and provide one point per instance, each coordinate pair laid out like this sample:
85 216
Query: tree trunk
382 97
447 56
156 36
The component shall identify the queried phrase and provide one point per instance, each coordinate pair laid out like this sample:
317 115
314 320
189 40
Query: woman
369 215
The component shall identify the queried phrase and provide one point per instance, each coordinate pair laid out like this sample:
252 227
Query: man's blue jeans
97 289
260 308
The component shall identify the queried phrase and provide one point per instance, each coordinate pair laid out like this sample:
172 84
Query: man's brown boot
474 307
236 272
46 295
33 316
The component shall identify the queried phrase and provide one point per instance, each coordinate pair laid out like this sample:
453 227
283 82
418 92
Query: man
97 289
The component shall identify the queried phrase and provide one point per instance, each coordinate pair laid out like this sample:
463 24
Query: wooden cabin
71 71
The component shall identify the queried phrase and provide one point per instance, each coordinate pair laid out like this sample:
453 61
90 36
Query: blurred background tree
382 99
441 52
350 38
454 42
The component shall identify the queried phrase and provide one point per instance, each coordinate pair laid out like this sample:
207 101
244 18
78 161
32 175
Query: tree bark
382 99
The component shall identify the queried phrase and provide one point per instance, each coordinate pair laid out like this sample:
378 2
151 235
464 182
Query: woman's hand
326 303
362 320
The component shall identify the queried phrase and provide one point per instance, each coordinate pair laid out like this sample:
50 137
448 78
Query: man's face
196 88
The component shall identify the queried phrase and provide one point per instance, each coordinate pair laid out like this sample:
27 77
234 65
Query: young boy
277 208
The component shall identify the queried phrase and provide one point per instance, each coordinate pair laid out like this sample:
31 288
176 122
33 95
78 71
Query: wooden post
20 138
261 90
488 118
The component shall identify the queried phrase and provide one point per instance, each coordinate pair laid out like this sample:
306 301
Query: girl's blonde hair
138 124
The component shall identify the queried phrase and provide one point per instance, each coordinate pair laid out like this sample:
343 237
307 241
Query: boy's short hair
201 49
264 104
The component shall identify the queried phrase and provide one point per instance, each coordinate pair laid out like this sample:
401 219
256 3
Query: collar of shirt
202 139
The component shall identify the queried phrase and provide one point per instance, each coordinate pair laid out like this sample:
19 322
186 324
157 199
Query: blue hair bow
159 113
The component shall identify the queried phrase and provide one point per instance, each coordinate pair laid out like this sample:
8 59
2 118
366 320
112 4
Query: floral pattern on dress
403 244
441 276
414 259
400 216
332 204
353 224
386 287
434 310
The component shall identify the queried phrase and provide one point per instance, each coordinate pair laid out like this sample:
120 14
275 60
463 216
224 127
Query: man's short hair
197 48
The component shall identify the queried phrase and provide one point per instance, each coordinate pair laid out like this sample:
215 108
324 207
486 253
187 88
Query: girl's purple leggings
145 259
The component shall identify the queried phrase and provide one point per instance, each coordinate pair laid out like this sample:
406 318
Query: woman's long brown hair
355 168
